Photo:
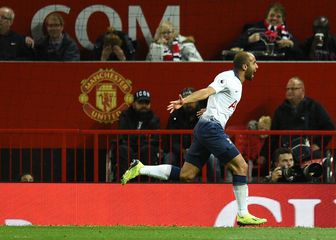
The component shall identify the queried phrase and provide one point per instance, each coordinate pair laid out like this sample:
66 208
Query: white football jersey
223 103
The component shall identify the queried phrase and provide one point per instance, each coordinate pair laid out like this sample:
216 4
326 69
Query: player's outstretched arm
194 97
174 105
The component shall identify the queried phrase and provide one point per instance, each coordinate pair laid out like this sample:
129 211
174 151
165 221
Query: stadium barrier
73 155
286 205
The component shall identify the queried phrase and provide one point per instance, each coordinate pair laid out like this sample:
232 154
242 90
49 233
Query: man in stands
138 116
299 112
13 46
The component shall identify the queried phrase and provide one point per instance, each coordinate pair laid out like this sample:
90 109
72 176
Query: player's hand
174 105
200 112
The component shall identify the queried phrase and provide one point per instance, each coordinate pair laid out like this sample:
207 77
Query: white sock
241 194
158 171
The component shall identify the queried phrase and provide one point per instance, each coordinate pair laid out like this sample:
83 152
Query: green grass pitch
163 233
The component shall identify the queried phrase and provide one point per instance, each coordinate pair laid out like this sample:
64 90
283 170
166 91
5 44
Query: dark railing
72 155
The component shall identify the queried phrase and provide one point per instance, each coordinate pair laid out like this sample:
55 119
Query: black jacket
68 50
130 119
13 47
309 115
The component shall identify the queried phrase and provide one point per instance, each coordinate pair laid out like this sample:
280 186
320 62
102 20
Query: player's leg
239 168
162 172
194 162
222 147
197 155
196 158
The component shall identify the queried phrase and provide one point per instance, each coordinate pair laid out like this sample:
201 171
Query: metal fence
72 155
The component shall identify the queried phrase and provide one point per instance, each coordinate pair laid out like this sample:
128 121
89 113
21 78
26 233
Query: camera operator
283 160
286 171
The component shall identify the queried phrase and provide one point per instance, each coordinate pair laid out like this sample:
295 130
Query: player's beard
249 74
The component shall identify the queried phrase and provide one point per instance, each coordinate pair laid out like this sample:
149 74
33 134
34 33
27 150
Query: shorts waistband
210 118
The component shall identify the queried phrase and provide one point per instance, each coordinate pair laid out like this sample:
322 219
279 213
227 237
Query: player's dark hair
240 59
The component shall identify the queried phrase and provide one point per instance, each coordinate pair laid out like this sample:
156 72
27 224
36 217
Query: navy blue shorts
209 137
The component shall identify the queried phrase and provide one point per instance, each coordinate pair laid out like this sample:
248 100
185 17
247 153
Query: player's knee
187 176
243 166
238 166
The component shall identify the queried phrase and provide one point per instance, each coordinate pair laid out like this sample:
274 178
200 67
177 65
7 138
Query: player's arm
194 97
199 95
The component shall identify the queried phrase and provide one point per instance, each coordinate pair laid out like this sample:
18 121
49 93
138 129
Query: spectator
13 46
322 45
57 45
138 116
169 45
299 112
250 146
26 177
272 29
114 45
183 118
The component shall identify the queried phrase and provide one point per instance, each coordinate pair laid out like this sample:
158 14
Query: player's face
252 67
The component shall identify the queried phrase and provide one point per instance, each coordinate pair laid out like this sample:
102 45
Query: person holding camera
287 171
283 159
321 46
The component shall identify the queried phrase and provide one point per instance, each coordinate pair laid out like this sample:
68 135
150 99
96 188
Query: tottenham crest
105 94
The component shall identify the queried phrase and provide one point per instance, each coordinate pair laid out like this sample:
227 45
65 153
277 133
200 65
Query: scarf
274 33
173 53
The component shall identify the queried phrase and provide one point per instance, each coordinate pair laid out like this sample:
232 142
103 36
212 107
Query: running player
223 95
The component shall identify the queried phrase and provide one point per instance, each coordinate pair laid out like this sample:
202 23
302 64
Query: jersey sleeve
219 83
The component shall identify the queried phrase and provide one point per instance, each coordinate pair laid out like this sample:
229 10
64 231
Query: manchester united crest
105 94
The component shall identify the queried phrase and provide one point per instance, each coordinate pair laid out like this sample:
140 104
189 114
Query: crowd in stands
297 112
168 44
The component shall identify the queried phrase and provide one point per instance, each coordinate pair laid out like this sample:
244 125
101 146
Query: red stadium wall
53 95
214 24
165 204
